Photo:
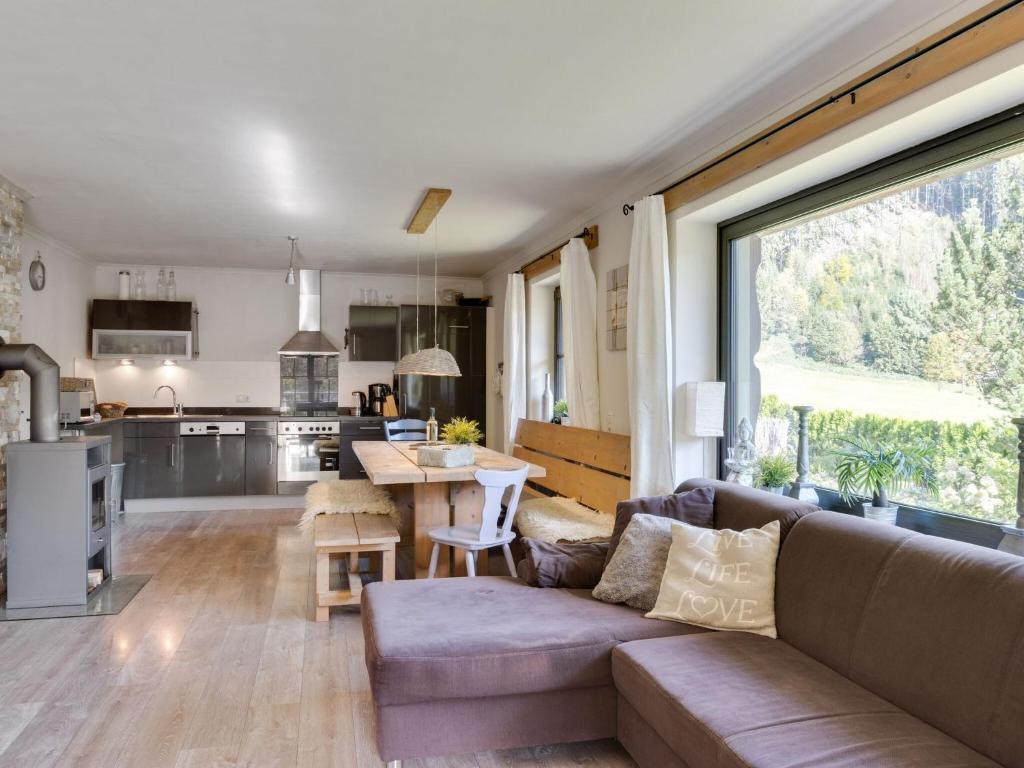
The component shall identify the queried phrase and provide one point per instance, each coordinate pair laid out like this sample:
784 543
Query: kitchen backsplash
214 383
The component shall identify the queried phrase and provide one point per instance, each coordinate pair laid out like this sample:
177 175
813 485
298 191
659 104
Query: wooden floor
217 662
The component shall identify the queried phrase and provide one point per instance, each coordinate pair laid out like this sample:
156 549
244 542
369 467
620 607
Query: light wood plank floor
215 663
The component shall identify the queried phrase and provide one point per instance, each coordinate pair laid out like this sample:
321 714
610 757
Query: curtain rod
849 90
584 234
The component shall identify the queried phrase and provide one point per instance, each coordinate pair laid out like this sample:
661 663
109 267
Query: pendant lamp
434 361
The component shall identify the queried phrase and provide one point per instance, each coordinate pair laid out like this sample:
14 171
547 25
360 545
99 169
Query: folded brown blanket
574 565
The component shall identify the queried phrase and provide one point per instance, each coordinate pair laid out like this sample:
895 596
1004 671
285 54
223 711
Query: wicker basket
111 410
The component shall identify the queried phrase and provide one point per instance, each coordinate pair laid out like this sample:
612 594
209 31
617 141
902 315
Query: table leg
468 499
323 583
432 511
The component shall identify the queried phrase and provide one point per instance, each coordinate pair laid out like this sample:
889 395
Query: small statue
742 458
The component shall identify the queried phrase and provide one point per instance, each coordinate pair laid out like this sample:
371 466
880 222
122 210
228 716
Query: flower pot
880 514
776 489
445 455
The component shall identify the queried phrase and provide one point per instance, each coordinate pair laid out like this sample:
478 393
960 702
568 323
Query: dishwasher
212 458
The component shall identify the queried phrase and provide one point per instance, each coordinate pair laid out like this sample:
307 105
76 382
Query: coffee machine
378 394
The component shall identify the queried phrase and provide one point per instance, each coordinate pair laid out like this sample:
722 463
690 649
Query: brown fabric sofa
894 649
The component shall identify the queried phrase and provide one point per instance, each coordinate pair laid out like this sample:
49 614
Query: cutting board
390 408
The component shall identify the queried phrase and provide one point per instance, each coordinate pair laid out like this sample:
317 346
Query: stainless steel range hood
309 340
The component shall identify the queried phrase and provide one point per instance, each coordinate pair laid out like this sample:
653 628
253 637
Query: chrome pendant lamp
434 361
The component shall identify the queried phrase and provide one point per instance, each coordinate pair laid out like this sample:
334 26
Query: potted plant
774 472
561 413
880 470
459 436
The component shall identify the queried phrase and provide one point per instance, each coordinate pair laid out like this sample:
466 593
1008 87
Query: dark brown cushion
575 565
729 699
932 625
695 507
433 639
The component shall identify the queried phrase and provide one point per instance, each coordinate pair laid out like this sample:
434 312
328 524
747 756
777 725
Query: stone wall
11 220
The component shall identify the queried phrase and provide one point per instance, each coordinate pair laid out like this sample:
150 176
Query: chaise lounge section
894 649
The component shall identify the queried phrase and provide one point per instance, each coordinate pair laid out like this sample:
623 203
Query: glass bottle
432 428
172 288
161 285
140 285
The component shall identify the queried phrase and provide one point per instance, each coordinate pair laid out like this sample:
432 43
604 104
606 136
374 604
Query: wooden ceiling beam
432 203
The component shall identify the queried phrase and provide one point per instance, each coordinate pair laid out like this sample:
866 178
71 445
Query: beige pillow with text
721 579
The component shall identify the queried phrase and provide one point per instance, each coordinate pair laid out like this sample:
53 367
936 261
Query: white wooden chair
488 535
405 429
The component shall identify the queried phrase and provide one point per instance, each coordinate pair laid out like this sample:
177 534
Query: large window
892 301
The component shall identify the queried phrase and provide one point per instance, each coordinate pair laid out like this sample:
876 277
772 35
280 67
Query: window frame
984 137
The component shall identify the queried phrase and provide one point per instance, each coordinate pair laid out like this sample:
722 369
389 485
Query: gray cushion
730 699
695 507
633 575
456 638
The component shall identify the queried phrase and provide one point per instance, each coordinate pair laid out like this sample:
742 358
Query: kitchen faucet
178 410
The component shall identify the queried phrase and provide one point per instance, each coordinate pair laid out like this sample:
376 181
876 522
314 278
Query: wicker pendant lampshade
433 361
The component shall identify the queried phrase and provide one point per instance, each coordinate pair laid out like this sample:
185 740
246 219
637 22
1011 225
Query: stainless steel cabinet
261 458
153 461
213 465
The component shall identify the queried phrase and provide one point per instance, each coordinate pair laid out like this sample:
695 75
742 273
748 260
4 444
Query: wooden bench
590 466
350 535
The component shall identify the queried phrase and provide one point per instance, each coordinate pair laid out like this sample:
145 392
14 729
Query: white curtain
514 376
649 351
579 335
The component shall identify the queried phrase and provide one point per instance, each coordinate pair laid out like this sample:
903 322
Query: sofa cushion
729 699
574 564
464 637
633 575
932 625
721 579
695 507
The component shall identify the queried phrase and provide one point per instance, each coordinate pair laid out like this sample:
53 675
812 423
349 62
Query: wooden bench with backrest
589 467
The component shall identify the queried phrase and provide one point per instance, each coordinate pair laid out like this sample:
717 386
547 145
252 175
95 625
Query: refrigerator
462 331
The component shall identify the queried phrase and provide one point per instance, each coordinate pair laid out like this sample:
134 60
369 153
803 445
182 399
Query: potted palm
880 470
774 472
459 436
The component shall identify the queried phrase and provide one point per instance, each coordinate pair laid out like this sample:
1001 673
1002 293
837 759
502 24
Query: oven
307 451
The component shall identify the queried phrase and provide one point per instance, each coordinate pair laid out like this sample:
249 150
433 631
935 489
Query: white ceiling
202 133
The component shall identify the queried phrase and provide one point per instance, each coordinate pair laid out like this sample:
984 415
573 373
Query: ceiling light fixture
434 361
289 279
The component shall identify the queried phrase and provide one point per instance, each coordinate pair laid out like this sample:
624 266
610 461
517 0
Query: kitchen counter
213 415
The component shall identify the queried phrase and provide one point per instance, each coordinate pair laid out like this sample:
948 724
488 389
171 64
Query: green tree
898 341
979 307
832 338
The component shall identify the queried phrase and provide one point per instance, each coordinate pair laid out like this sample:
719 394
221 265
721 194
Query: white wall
614 232
57 317
244 317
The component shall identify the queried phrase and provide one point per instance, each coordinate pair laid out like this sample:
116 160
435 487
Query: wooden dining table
433 497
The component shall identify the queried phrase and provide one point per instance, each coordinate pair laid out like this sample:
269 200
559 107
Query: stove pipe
44 378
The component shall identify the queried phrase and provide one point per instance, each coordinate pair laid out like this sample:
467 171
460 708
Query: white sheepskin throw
336 497
557 519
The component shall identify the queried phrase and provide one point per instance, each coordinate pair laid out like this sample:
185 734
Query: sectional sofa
894 649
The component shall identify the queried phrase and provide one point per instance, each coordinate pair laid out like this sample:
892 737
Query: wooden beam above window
553 258
990 29
432 203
